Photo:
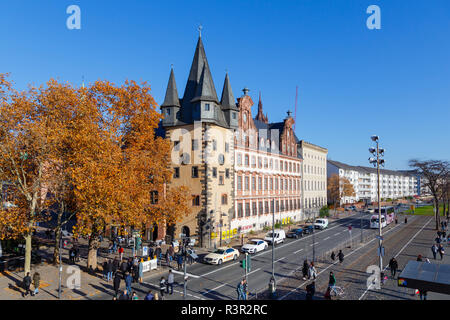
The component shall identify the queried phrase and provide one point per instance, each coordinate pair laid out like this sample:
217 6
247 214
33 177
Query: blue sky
353 82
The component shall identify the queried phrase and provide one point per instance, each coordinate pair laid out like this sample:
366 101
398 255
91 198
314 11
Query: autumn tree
118 162
339 187
434 173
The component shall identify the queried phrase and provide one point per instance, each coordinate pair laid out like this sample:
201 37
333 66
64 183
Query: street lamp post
60 265
272 282
378 152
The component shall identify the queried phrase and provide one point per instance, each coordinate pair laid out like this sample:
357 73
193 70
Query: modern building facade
393 184
314 174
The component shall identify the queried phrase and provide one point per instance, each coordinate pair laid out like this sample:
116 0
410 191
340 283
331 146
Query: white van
278 237
321 224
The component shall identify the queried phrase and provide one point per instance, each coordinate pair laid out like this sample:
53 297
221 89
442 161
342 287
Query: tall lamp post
272 282
378 152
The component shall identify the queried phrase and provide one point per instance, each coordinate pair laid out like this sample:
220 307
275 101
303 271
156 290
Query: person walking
434 250
134 296
180 261
305 269
332 282
124 295
121 250
419 257
128 281
393 265
240 290
162 287
168 258
441 250
312 273
124 266
423 294
36 282
333 256
116 283
141 270
245 289
115 266
341 256
26 285
310 290
170 280
109 269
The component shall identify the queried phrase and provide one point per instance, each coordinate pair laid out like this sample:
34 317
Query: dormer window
233 114
168 111
207 107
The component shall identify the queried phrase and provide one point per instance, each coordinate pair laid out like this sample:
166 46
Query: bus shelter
425 276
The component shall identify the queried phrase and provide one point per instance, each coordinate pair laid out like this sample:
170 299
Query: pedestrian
124 295
341 256
141 270
168 258
116 283
72 255
158 252
134 296
115 265
327 294
149 295
332 282
26 285
170 280
333 256
434 250
406 220
419 257
156 296
240 290
36 282
123 266
121 250
150 252
128 281
105 269
162 287
312 272
393 265
180 261
305 269
441 251
244 281
423 294
109 269
310 290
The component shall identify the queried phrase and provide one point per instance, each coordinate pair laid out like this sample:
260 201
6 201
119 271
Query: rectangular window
239 183
227 173
247 209
176 145
233 114
281 184
227 147
224 199
254 209
168 111
276 183
239 159
207 107
281 165
247 181
221 179
240 211
194 172
214 172
266 207
246 160
194 144
253 183
195 201
271 184
277 206
261 209
260 187
259 162
176 172
265 184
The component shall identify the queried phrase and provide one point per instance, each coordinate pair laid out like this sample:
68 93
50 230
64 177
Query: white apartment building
393 184
314 172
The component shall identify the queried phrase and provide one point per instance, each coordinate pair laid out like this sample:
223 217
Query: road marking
280 259
187 274
314 244
336 234
256 270
301 285
298 250
326 238
401 250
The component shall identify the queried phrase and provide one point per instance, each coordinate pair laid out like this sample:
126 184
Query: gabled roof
171 98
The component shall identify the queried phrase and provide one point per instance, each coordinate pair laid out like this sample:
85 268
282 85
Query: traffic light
249 263
243 264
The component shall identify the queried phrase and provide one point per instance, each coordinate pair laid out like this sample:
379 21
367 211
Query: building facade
393 184
314 173
267 170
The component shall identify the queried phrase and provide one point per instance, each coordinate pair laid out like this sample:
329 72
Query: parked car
371 210
254 246
321 224
295 233
221 255
307 229
278 236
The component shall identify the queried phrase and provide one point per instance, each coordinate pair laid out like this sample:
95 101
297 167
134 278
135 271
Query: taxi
221 255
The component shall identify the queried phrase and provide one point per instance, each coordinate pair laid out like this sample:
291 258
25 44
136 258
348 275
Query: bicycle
338 292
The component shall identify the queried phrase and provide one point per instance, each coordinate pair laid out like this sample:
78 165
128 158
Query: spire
171 98
205 88
260 116
227 101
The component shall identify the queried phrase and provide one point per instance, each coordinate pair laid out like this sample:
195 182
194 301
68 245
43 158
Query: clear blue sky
353 82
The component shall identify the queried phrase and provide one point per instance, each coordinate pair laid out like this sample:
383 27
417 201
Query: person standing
434 250
170 280
149 295
332 282
312 271
36 282
116 283
128 281
245 289
441 251
124 295
305 269
26 285
180 261
141 270
134 296
419 257
310 290
341 256
393 265
240 290
168 258
109 269
121 250
162 287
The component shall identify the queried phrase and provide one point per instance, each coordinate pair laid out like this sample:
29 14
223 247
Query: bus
387 217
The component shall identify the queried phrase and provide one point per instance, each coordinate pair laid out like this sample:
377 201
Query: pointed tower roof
260 116
227 101
205 90
171 98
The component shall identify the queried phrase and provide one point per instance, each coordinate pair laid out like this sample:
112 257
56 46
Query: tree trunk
92 253
57 245
436 203
27 265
